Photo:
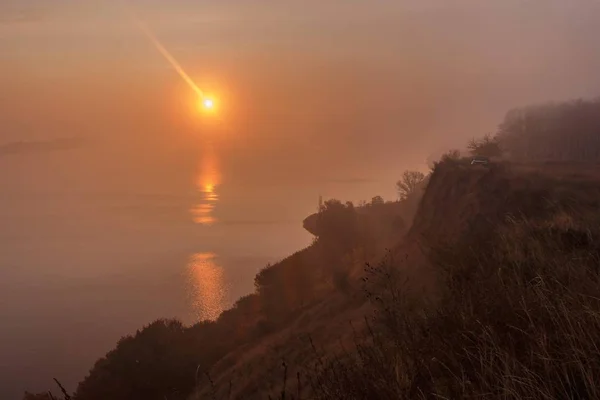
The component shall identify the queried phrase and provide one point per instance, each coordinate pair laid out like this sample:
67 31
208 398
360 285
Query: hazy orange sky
357 89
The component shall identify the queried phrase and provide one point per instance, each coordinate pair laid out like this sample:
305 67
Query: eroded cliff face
463 200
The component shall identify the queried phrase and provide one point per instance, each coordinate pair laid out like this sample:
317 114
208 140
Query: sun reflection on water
208 180
207 286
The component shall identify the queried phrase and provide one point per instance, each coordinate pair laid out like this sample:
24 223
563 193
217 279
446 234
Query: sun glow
208 104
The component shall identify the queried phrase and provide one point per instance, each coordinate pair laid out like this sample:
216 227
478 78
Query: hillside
482 282
168 358
461 204
255 369
313 306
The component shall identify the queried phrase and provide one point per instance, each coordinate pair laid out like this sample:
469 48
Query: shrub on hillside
160 361
487 146
337 225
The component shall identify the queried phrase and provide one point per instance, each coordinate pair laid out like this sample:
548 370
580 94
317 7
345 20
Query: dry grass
519 318
256 370
516 311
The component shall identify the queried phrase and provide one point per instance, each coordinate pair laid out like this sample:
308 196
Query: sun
208 104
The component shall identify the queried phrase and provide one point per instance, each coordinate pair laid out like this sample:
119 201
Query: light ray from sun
165 53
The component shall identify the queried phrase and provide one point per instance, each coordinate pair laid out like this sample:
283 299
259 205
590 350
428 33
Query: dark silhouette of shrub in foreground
159 361
518 318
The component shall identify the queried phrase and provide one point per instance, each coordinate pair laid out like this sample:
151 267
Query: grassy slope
256 367
515 250
462 206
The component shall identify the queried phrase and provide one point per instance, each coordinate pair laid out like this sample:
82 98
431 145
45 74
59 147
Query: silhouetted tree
449 156
409 182
487 146
377 200
338 227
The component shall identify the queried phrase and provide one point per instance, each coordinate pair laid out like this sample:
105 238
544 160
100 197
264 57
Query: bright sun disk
208 103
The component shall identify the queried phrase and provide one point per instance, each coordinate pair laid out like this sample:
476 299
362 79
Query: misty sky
349 89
